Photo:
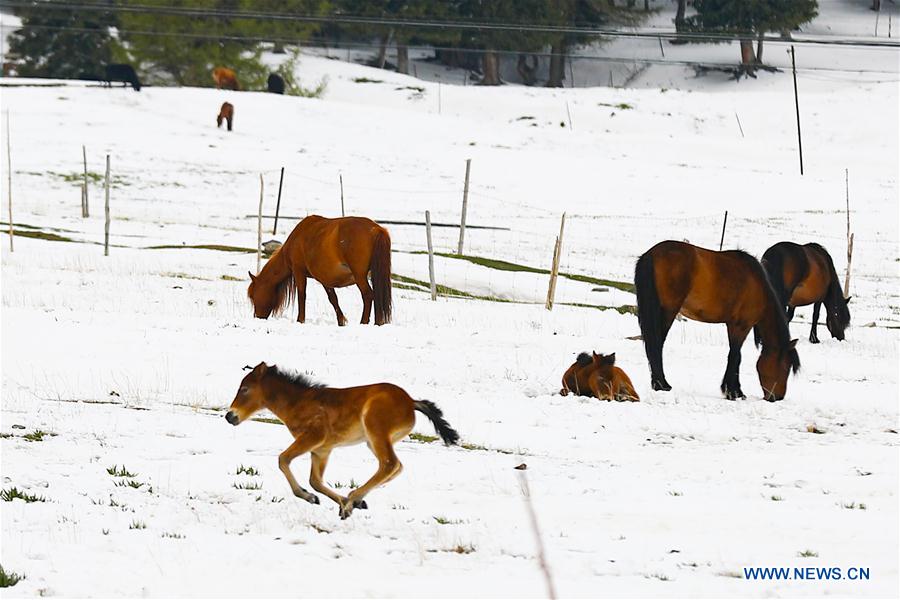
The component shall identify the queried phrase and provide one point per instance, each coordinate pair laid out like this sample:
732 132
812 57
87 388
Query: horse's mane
775 310
296 379
835 295
584 359
285 290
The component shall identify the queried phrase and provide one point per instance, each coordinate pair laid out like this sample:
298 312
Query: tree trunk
382 49
557 64
876 5
402 58
759 48
646 5
491 66
527 69
679 20
748 58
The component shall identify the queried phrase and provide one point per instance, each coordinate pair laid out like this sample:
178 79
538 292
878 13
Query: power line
434 24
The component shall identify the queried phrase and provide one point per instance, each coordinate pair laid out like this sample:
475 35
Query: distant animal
124 73
322 418
225 79
803 275
226 113
597 376
728 287
336 253
275 83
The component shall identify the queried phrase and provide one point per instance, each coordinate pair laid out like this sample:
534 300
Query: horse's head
601 360
250 396
837 317
262 297
774 366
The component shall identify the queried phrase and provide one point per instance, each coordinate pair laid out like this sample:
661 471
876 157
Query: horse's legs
731 385
813 336
362 282
319 460
790 313
300 446
389 466
655 355
332 297
300 282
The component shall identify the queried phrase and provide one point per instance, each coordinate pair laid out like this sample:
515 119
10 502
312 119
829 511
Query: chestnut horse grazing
714 287
597 376
336 253
321 419
803 275
226 113
225 78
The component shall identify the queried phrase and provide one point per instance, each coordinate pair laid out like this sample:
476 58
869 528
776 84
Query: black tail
773 262
434 414
649 312
834 297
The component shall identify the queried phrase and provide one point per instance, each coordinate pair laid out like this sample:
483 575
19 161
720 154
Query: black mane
297 379
584 359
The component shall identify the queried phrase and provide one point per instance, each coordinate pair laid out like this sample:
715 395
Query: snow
130 359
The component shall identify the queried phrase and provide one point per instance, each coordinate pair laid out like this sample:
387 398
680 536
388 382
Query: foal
595 375
321 419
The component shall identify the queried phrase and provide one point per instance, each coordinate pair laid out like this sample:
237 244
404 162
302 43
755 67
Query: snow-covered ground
128 360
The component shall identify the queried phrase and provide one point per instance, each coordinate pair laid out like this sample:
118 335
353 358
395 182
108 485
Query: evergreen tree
63 43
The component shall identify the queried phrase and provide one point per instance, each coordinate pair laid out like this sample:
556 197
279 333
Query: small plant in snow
137 525
9 579
777 499
174 536
250 485
117 471
13 493
37 435
242 470
808 554
423 438
129 483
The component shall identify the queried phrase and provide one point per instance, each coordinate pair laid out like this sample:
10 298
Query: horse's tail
381 276
436 416
649 311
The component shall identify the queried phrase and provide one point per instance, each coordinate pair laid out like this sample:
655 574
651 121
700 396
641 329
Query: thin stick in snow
259 227
341 179
85 209
554 271
106 211
722 239
278 204
569 115
9 181
532 517
661 47
739 123
465 204
430 255
849 235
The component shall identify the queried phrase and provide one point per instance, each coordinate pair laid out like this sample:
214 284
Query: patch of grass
442 290
249 485
8 578
624 309
352 485
808 554
8 495
37 435
6 436
366 80
184 276
129 483
137 525
174 536
446 521
733 574
242 470
422 437
674 493
659 576
470 446
853 505
219 247
777 499
117 471
230 278
267 420
412 88
620 105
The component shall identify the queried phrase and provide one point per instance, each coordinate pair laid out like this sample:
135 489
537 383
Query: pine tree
62 43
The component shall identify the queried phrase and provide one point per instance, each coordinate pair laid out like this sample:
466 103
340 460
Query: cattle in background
275 83
124 73
226 113
225 79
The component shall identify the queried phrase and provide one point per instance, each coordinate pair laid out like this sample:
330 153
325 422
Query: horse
225 78
275 84
336 253
597 376
226 113
124 73
803 275
729 287
322 418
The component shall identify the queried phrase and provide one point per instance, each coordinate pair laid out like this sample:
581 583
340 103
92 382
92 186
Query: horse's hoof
813 340
661 386
312 499
361 504
735 395
345 512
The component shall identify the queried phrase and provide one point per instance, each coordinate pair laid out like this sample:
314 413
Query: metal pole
722 239
797 108
462 222
106 226
278 204
85 209
430 255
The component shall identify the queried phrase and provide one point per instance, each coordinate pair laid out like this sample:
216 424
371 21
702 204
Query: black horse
124 73
275 84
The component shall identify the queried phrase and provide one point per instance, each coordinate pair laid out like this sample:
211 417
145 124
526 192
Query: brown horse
226 113
597 376
321 419
334 252
714 287
803 275
225 78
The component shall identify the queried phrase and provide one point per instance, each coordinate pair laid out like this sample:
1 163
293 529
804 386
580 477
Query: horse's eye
243 390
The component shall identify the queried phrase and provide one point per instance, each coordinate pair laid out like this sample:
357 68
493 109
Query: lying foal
321 418
597 376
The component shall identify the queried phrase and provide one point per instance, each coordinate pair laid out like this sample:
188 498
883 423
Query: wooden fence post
9 181
259 226
341 179
569 116
106 225
797 108
85 208
430 255
849 235
554 271
722 239
278 204
465 204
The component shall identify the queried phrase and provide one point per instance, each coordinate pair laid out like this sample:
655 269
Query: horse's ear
252 276
793 344
608 359
261 369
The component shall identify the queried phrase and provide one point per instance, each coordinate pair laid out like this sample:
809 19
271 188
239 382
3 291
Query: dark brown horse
334 252
322 419
803 275
714 287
